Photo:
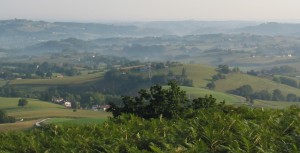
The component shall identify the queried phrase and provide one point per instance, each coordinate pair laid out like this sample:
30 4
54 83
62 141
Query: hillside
37 110
233 81
193 92
29 32
273 28
200 74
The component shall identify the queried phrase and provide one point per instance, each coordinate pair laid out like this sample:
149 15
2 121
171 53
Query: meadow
275 104
59 81
236 80
220 96
200 74
37 110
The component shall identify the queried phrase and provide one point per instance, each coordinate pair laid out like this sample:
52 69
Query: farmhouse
57 100
104 107
68 104
100 107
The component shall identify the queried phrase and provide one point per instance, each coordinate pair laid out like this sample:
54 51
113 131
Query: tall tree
22 102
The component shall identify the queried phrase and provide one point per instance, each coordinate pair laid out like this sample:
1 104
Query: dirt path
38 124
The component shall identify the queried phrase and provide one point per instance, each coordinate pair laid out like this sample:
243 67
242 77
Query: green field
59 81
2 83
234 81
40 109
68 121
37 110
200 74
220 96
274 104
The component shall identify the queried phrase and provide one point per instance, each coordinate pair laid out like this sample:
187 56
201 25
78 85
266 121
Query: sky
150 10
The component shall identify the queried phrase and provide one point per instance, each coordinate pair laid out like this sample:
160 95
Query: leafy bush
215 129
6 119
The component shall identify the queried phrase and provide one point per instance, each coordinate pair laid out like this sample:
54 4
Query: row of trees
287 81
285 69
276 95
10 71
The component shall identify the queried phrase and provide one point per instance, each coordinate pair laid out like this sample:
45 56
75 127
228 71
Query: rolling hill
37 110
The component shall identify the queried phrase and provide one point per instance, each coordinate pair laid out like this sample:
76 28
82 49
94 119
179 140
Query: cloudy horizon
154 10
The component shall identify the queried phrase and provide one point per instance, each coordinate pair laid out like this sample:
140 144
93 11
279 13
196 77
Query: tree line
277 95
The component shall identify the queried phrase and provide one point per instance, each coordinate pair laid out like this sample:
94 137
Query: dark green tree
223 69
157 101
6 119
49 74
277 95
22 102
211 85
291 97
183 73
204 102
245 91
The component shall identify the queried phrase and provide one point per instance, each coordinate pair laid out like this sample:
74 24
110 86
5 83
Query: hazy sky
149 10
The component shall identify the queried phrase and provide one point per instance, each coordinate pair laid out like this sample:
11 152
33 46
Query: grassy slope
17 126
234 81
44 84
67 121
39 110
59 81
2 83
199 92
274 104
200 74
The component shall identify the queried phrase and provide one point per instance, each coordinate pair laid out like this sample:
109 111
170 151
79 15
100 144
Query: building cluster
62 101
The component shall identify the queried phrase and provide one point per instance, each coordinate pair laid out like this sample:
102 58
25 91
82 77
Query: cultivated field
234 81
274 104
59 81
37 110
200 74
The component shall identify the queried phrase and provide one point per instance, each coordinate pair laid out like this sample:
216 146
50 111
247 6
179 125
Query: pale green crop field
39 109
200 74
236 80
200 92
274 104
59 81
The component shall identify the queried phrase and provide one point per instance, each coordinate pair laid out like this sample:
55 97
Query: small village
68 104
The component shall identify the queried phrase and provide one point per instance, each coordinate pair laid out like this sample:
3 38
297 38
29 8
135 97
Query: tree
263 95
223 69
6 119
245 91
291 97
211 86
22 102
183 73
204 102
289 82
218 77
236 69
277 95
49 74
157 101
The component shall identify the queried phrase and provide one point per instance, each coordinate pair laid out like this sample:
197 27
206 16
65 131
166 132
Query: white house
68 104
